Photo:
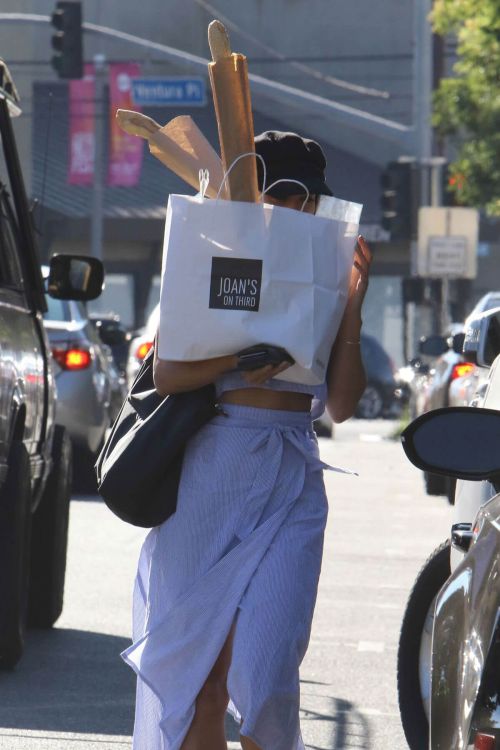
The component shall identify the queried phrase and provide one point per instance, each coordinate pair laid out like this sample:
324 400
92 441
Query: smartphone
261 355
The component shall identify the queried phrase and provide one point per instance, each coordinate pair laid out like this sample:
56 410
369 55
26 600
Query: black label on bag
235 284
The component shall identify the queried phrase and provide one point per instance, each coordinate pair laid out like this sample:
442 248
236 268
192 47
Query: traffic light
396 199
67 39
453 184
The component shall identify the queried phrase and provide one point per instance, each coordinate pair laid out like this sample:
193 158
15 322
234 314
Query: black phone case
260 356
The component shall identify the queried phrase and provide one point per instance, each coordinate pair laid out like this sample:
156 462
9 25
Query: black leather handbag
139 467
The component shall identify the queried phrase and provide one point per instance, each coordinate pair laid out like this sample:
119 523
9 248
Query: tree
467 106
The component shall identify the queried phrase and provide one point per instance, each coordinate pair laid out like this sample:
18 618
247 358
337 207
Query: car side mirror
77 277
433 346
458 441
482 338
457 343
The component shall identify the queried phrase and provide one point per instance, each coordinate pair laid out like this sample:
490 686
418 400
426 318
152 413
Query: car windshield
57 310
492 303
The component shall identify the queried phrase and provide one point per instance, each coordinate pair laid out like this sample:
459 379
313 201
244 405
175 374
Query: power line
312 72
375 125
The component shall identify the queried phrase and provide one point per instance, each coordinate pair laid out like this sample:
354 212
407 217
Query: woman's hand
263 374
359 275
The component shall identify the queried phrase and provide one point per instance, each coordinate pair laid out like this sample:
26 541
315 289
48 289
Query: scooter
415 654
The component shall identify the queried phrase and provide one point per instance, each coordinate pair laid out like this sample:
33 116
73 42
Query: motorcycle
416 658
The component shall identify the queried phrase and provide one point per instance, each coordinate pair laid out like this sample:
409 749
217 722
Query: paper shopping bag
237 274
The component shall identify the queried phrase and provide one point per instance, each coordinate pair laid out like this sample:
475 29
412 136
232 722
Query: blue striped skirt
245 542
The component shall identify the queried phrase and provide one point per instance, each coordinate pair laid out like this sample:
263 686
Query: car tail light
484 742
463 368
73 358
143 349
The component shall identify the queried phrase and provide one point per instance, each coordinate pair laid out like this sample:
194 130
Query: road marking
373 646
366 437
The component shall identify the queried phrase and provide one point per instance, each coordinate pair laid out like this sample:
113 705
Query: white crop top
235 380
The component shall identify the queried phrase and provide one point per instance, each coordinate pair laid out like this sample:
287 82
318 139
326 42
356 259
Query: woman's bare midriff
263 398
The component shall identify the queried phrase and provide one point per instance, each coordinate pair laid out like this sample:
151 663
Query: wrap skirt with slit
244 544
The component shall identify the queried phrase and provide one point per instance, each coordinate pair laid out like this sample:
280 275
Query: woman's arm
174 377
346 378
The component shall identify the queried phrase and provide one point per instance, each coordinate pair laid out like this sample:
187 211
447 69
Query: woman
226 587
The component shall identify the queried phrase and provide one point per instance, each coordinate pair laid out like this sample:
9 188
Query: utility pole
422 98
100 131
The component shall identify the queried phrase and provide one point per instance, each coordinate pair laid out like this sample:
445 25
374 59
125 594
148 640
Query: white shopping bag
237 274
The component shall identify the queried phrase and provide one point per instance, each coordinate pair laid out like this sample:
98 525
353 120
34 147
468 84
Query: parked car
141 344
448 364
35 452
486 302
380 397
113 334
464 650
90 389
411 380
416 655
465 389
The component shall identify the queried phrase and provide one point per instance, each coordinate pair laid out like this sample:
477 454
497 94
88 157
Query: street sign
447 243
164 92
447 256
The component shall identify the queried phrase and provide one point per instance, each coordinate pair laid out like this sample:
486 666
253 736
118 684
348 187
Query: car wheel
435 484
415 648
49 538
15 532
371 403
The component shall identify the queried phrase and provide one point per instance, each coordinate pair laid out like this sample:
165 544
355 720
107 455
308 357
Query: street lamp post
100 131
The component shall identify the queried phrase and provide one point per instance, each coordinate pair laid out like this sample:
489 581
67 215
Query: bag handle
266 189
287 179
204 179
241 156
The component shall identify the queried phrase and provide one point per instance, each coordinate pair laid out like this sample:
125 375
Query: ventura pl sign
164 92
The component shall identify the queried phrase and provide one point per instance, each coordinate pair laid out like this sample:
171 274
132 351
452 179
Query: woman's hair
289 156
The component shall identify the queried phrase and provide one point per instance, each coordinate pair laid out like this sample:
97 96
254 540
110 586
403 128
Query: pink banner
81 129
125 151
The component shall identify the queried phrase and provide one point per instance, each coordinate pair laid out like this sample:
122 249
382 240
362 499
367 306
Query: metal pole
100 130
436 165
437 180
423 67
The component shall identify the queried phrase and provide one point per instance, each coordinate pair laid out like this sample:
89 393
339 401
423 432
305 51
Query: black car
35 452
379 397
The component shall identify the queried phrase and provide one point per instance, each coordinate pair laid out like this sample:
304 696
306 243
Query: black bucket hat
288 155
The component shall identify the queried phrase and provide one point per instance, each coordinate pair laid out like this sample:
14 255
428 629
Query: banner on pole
81 128
125 151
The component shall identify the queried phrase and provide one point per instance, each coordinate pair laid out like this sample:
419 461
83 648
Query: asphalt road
71 689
